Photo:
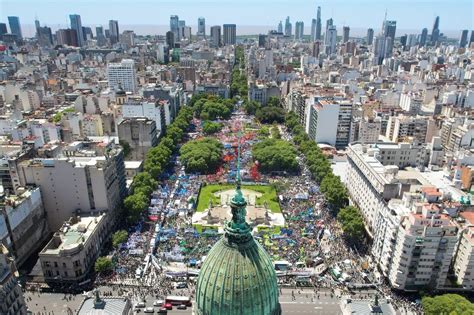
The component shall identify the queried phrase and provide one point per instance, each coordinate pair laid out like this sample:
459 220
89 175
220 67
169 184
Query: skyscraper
181 26
463 40
299 30
114 32
174 20
280 27
313 30
230 32
471 40
330 40
100 36
318 24
389 29
435 31
345 34
76 25
370 36
3 29
201 27
15 27
170 41
215 36
288 30
423 36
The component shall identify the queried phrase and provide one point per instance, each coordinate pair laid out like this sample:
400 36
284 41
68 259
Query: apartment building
403 128
72 251
23 225
11 296
464 256
140 134
81 180
425 246
122 75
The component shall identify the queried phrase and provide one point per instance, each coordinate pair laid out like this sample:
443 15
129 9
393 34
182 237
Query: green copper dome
237 277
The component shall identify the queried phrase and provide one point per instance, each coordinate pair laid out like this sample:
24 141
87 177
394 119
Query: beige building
82 181
140 134
425 246
11 297
464 258
403 128
73 249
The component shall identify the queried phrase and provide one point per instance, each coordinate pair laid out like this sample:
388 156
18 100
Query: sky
253 16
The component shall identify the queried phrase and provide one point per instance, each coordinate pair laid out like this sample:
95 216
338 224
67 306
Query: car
162 311
158 303
182 307
139 305
181 285
149 310
168 306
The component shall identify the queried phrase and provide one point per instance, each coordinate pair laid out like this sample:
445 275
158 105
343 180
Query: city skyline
217 13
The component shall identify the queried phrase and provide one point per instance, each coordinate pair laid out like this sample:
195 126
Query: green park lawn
268 194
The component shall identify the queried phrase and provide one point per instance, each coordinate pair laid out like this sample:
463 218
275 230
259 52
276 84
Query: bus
178 300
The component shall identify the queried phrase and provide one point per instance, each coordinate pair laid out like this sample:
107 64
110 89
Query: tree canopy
352 224
450 304
103 264
270 114
202 156
210 127
119 237
275 155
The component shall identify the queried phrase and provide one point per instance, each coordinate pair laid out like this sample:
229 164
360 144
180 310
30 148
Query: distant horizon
251 16
242 30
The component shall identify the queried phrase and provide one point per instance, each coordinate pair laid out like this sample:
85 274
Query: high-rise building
140 133
403 40
174 26
463 40
345 34
100 36
313 30
67 37
87 31
15 27
288 27
114 33
76 25
87 178
122 74
170 40
201 27
280 27
435 31
262 40
181 26
423 36
3 29
471 40
299 30
330 40
11 294
370 36
215 40
318 24
389 29
329 22
230 34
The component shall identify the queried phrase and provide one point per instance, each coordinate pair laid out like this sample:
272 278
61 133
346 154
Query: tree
119 237
270 114
263 132
103 265
135 205
126 147
352 224
202 156
451 304
143 182
275 155
251 107
273 101
334 191
210 127
213 110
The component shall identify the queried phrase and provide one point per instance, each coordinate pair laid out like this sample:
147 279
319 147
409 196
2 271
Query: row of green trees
239 85
202 156
330 184
156 161
275 155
